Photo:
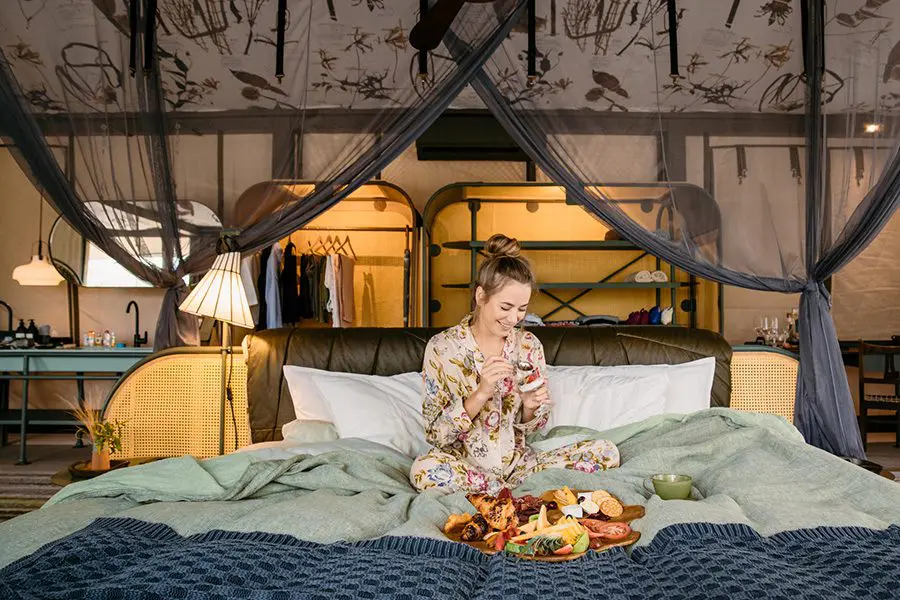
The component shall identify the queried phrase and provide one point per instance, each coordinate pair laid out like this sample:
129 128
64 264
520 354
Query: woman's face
502 311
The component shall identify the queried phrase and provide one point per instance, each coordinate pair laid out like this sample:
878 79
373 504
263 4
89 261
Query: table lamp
220 295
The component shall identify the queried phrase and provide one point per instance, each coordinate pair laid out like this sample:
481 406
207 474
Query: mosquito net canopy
773 122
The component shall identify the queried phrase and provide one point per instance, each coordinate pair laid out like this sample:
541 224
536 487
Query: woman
475 415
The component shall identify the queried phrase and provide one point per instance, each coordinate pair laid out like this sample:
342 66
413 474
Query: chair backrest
764 380
888 375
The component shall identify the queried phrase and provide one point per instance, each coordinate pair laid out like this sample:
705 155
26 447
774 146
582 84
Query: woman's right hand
495 370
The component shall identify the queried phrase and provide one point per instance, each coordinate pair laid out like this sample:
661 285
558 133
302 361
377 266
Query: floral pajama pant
447 473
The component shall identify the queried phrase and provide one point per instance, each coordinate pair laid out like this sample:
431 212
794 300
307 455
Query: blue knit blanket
126 558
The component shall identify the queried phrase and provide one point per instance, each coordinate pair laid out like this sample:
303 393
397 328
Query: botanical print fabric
488 451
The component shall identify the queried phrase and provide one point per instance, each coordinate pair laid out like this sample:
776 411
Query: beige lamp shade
220 293
38 272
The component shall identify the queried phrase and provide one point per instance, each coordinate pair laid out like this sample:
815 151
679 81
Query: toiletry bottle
31 333
20 330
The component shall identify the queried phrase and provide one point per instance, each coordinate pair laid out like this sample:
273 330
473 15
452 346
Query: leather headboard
384 351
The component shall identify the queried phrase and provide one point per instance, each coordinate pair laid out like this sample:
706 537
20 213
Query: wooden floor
25 487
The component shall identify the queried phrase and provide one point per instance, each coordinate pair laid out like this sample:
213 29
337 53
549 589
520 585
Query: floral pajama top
494 441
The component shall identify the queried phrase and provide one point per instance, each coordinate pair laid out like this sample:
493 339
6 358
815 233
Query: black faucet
9 310
138 340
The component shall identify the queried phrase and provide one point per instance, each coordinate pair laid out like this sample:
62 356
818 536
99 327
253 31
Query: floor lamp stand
226 351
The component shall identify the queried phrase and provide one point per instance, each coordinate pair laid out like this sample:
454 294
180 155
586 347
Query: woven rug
23 492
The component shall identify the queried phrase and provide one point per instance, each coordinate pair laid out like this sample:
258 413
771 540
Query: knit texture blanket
126 558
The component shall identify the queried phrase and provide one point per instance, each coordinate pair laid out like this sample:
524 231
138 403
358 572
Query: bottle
107 338
31 333
20 330
112 339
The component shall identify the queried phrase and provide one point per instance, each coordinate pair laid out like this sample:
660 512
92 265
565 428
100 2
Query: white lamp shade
38 272
220 293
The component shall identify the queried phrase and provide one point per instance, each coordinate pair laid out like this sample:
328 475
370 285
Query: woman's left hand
533 400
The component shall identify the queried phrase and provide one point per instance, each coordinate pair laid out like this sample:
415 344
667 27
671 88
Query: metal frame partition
474 194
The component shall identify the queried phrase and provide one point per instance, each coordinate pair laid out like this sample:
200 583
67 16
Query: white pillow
601 401
386 410
690 384
306 397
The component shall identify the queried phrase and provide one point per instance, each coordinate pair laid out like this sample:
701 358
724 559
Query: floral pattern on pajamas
488 452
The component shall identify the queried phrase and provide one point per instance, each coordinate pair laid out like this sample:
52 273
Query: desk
78 364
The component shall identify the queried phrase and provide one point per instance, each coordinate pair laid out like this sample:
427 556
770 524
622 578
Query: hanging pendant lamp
39 271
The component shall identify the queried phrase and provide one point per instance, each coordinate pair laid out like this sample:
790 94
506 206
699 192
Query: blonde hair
503 264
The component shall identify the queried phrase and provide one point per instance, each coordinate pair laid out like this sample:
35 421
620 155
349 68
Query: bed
282 518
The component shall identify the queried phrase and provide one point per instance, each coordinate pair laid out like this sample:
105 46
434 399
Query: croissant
475 529
500 513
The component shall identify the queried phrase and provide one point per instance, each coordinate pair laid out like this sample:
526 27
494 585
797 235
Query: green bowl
671 486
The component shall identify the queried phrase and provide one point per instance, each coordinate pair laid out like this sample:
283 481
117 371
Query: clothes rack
407 252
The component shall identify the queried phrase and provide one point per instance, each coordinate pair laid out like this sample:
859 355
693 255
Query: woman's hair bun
499 246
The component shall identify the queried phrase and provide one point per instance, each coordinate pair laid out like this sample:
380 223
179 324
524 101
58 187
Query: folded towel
659 277
640 277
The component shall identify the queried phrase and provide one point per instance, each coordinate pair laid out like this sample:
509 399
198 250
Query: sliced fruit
546 544
567 549
571 534
492 536
533 517
553 529
582 544
500 542
528 527
543 521
515 548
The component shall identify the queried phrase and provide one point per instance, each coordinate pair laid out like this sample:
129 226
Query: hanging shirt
332 282
290 297
273 289
345 289
261 285
494 441
306 288
249 274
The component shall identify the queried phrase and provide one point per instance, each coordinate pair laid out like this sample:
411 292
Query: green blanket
748 468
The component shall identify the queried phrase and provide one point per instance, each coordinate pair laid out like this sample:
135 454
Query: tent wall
867 291
100 308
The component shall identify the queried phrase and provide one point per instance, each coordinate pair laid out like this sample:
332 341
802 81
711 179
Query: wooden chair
888 377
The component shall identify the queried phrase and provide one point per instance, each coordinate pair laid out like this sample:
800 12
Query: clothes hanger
346 244
314 247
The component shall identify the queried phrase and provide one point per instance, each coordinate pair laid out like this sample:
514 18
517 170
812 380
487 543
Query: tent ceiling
594 55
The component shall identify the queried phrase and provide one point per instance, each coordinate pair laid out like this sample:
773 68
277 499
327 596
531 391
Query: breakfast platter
560 525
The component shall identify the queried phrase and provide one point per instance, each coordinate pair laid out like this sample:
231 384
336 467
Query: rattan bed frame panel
764 381
171 404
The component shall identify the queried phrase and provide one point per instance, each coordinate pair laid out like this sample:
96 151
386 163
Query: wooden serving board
630 513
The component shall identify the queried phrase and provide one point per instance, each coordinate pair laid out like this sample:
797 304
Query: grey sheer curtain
813 238
115 80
